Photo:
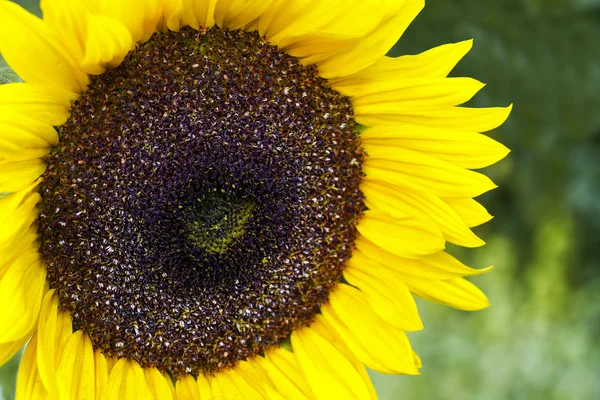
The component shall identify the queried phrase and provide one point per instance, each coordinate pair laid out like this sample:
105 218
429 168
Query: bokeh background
540 339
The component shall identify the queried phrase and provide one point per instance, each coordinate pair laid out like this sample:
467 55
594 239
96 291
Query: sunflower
229 199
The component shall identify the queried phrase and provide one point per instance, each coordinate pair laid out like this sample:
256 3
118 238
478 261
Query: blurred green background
541 337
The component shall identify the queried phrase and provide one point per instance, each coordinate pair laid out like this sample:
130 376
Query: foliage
7 75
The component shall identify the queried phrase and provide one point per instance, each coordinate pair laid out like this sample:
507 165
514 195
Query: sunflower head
229 199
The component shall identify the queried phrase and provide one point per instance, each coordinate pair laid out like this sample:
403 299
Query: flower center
202 201
214 222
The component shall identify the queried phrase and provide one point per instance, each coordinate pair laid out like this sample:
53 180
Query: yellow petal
403 236
329 28
229 386
110 363
107 42
34 52
64 330
29 384
48 340
379 196
27 241
24 138
20 242
101 380
252 371
314 46
17 175
187 388
451 118
13 152
465 149
226 8
390 96
8 350
416 171
140 18
324 330
17 242
159 388
204 388
273 394
44 103
291 384
458 292
379 345
171 385
221 387
17 213
435 266
76 374
329 373
471 212
199 13
437 277
418 363
251 390
375 45
283 17
385 291
68 19
434 63
217 388
285 373
264 20
54 331
240 14
21 292
171 15
153 15
127 381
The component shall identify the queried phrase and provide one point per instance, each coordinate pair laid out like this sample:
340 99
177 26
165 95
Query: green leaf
7 75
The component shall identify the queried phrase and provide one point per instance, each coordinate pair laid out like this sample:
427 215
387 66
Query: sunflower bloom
219 199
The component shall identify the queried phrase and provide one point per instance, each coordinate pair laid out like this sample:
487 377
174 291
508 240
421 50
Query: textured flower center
202 201
214 222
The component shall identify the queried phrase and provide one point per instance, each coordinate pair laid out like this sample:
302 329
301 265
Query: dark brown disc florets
202 201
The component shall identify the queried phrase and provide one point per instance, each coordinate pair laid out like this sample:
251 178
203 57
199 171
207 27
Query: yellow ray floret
386 293
29 384
329 369
466 149
471 212
374 342
45 59
413 170
423 205
433 63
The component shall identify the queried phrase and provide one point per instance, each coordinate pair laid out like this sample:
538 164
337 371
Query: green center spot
217 220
